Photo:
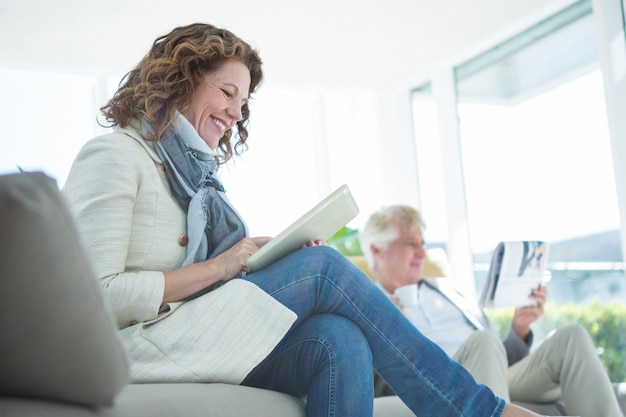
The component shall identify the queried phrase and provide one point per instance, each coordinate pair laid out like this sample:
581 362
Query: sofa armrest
59 341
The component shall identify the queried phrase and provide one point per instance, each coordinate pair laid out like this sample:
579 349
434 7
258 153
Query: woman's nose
234 112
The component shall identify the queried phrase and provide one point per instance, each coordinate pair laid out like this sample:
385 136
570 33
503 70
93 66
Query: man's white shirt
438 319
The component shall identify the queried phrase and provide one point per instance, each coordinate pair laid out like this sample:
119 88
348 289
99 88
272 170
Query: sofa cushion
167 400
58 338
393 406
203 400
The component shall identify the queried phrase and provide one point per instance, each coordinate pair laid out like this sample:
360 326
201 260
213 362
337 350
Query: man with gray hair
564 369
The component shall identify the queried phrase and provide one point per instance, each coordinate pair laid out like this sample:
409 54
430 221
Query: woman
170 251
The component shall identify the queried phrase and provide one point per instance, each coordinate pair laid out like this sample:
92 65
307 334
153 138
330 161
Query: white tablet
319 223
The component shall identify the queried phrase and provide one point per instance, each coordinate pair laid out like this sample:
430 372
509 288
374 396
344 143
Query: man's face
403 262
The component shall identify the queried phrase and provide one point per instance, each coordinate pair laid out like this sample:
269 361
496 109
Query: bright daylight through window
537 164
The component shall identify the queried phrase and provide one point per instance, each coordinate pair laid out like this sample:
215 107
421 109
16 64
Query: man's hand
525 316
394 299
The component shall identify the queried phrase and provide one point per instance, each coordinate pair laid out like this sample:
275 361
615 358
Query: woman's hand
233 261
189 279
318 242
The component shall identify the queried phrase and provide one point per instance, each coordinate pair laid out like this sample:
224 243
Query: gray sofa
59 353
59 350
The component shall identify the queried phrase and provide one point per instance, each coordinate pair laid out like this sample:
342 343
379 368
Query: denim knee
575 335
344 363
485 339
346 342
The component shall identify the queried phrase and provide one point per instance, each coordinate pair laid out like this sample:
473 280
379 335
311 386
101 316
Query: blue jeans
347 327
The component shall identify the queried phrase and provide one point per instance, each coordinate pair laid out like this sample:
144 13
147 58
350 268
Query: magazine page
516 269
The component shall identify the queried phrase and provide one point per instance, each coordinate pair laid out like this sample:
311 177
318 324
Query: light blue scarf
212 224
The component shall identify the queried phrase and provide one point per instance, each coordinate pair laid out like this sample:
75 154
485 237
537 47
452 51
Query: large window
536 148
303 143
430 166
46 117
537 163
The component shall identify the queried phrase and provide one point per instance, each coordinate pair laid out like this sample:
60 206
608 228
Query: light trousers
565 365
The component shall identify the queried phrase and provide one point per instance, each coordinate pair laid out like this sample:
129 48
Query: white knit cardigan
132 227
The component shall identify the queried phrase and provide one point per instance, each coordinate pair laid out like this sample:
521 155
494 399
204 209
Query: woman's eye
227 93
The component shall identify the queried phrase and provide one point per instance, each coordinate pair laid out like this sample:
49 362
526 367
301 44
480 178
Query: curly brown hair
165 79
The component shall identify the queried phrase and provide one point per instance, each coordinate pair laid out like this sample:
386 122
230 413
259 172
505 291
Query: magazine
516 269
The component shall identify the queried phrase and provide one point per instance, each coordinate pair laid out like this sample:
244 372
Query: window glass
537 158
542 170
275 180
429 165
301 143
46 117
537 166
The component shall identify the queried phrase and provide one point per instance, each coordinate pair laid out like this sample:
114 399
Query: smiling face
402 263
216 104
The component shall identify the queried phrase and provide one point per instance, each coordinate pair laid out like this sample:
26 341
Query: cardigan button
183 240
